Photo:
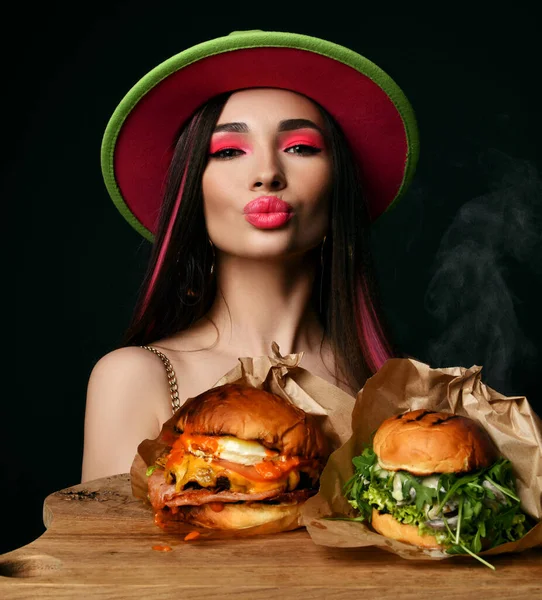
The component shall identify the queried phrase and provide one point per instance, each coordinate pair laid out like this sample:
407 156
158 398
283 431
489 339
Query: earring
213 263
322 271
322 252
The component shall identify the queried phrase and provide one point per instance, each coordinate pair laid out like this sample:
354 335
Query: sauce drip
162 548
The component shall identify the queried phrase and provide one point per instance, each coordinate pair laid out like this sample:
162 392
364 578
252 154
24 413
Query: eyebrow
287 125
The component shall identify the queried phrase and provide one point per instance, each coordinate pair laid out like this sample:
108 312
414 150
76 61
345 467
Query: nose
268 174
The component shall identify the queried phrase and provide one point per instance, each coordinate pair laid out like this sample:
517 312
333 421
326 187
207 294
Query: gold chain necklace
172 379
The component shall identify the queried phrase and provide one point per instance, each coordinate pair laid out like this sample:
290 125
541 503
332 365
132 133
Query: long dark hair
179 288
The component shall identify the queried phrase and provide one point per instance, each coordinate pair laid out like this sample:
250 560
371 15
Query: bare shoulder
127 402
134 377
133 360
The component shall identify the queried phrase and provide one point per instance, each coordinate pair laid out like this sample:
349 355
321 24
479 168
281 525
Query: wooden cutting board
100 543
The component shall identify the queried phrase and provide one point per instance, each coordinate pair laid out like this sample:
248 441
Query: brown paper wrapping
280 375
403 384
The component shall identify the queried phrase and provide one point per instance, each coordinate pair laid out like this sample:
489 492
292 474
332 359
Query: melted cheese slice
205 472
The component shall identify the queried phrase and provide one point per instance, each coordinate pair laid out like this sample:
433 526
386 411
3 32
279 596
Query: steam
470 295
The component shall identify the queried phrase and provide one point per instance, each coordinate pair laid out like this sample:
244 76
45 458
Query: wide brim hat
371 109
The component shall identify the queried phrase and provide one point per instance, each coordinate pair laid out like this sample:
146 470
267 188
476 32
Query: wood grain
99 544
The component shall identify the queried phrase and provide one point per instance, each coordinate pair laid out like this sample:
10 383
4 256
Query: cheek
218 190
315 187
215 187
207 188
324 175
316 183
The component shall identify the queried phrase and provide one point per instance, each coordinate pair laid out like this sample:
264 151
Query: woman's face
267 183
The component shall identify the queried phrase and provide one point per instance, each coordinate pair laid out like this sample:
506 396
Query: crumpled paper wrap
280 375
403 384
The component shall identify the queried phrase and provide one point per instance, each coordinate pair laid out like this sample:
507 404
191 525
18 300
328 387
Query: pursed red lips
268 212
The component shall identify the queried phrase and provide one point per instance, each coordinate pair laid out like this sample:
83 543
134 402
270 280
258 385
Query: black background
459 260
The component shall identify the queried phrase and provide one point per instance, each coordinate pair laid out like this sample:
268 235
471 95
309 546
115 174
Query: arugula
364 465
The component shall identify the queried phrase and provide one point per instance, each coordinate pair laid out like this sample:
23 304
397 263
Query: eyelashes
226 153
301 149
304 149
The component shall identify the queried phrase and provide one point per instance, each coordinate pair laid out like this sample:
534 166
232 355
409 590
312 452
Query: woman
279 151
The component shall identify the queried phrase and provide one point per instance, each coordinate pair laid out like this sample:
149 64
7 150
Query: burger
436 480
243 458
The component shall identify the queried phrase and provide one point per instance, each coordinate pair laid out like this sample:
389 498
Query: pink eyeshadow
307 138
223 141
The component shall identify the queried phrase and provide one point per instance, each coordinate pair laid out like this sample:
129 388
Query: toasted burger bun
423 442
253 414
386 525
268 518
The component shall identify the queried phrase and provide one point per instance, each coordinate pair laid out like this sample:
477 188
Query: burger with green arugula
436 480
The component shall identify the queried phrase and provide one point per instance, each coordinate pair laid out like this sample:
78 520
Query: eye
226 153
303 149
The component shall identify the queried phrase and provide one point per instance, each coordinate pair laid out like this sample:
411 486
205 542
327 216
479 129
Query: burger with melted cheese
243 458
435 480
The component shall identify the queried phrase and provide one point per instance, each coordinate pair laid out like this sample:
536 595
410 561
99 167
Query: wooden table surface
99 544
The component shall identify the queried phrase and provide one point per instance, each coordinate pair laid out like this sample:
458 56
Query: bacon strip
163 494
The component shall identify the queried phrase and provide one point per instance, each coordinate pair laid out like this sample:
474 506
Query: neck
259 302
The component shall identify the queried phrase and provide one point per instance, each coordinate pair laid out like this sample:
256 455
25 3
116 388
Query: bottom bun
386 525
263 518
